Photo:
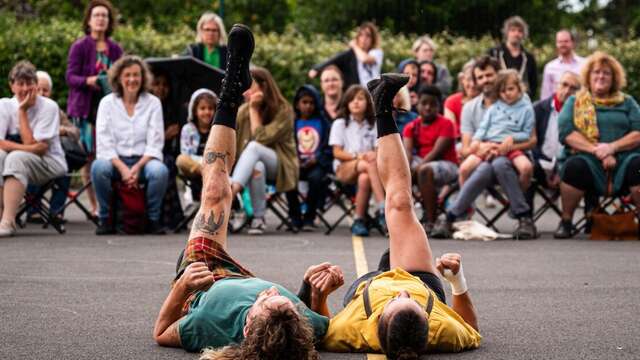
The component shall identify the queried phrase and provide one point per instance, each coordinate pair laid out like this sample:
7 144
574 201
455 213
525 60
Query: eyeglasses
570 86
211 30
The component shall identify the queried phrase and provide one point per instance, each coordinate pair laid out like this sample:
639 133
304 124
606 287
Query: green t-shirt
217 316
212 58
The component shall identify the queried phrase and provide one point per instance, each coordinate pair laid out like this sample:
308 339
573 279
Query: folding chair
73 197
40 204
192 210
548 199
504 203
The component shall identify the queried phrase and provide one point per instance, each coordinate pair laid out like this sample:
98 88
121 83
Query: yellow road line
362 268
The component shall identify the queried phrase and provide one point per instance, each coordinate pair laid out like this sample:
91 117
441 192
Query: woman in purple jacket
89 59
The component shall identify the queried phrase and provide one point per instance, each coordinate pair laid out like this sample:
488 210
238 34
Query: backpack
128 209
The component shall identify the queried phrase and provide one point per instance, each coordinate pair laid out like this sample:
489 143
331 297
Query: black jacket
197 51
347 62
530 73
542 110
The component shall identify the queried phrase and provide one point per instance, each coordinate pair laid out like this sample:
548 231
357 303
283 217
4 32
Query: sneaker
309 226
154 227
564 231
104 228
7 229
383 91
240 45
490 202
237 220
258 226
442 230
381 221
359 228
526 229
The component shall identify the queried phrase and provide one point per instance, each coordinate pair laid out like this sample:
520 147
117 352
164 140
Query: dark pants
58 196
318 184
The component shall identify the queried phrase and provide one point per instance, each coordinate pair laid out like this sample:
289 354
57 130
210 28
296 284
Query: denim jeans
58 196
155 174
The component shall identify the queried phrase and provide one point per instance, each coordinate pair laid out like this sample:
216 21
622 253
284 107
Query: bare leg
570 197
13 192
409 247
376 185
91 194
363 194
466 168
525 171
427 191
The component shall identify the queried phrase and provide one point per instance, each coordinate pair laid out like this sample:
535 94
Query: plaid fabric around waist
210 252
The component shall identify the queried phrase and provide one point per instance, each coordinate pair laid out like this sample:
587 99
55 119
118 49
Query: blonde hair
619 78
208 17
504 77
375 34
424 40
45 76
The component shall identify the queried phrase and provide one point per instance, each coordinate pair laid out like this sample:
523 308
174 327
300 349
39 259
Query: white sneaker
237 220
7 229
490 202
258 226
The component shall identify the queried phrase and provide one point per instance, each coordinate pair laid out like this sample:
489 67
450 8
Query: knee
216 192
425 171
258 170
400 201
101 167
501 164
252 146
526 169
156 170
363 180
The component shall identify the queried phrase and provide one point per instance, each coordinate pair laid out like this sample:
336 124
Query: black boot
565 230
237 78
154 227
383 91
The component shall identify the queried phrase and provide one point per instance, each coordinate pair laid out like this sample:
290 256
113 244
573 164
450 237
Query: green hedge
289 55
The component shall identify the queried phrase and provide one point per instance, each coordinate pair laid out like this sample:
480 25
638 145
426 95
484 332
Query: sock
225 115
386 124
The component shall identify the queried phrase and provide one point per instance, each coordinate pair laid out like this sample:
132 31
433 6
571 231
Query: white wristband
457 281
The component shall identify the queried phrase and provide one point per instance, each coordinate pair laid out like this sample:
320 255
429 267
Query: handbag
622 224
74 153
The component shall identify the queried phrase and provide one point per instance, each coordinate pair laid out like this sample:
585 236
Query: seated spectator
68 132
265 144
331 84
600 128
424 49
172 213
548 147
453 104
512 55
496 169
211 39
410 67
353 137
567 60
509 120
129 138
194 135
431 137
314 156
362 62
38 156
402 106
428 73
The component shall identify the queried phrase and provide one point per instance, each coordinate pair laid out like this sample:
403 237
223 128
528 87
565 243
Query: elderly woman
130 136
362 62
89 60
211 39
600 127
266 145
454 103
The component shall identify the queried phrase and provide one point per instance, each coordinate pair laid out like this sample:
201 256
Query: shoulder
444 123
113 45
108 100
48 104
338 124
543 104
150 100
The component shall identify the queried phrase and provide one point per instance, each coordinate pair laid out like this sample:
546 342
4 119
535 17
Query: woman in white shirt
129 141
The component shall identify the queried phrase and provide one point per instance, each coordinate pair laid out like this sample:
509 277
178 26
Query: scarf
584 117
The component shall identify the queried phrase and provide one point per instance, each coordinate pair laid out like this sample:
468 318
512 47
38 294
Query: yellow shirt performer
400 309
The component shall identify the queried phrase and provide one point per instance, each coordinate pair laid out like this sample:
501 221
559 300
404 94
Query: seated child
509 120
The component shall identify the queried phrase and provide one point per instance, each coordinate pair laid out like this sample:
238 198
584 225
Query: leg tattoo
211 156
209 227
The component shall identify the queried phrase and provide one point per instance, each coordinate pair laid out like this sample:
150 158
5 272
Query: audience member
428 73
496 168
353 137
129 141
508 121
600 128
410 67
453 104
90 57
567 60
402 108
211 40
424 49
314 155
194 134
266 146
331 84
362 62
512 55
431 137
36 156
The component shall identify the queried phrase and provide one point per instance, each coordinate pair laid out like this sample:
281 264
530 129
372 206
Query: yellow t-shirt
351 331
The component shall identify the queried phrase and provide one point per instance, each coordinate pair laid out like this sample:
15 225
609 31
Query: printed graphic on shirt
308 141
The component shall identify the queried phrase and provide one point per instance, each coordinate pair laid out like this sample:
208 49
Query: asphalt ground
79 296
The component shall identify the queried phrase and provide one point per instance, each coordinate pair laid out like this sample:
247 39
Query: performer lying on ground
215 302
402 312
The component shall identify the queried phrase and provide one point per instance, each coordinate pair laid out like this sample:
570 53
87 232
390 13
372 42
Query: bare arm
362 55
627 142
578 142
526 145
462 305
461 301
439 149
408 148
340 154
466 145
39 148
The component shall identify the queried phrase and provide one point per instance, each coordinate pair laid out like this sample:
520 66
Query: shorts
201 249
444 172
347 172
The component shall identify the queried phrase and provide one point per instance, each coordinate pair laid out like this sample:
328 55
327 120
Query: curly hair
515 21
403 335
87 16
118 67
619 78
280 334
